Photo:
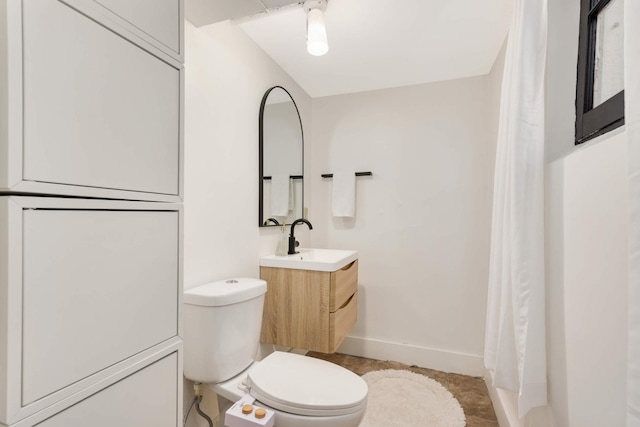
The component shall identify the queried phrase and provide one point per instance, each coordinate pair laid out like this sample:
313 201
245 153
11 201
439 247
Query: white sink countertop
312 259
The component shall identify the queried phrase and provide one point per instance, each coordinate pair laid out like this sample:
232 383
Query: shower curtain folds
515 333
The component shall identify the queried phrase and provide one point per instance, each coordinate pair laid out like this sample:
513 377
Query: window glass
600 80
608 77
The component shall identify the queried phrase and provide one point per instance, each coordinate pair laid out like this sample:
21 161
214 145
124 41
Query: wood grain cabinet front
310 310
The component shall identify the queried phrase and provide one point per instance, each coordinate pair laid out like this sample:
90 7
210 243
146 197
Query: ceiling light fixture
316 30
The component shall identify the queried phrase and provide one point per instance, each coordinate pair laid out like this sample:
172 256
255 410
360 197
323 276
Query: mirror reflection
281 179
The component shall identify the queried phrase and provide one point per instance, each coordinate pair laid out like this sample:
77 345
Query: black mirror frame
261 219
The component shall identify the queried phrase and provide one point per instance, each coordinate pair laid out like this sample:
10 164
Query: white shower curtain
515 334
632 123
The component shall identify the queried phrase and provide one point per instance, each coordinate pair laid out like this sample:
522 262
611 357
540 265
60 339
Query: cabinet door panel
296 308
147 398
98 287
99 111
158 18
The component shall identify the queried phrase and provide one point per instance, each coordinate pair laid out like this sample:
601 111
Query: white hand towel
280 195
344 194
292 194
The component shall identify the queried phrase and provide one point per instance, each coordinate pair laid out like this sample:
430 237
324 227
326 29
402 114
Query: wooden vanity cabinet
310 310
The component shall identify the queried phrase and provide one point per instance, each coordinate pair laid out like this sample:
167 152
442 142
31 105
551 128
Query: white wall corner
424 357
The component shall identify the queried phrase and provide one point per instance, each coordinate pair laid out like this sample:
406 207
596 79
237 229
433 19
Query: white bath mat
407 399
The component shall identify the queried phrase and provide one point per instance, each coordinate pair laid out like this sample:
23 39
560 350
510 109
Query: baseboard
441 360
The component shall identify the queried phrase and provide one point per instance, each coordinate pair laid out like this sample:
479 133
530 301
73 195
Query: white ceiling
205 12
376 44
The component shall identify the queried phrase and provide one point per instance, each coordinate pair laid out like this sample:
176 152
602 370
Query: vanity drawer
341 322
344 283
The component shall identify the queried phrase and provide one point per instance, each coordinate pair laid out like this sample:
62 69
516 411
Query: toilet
222 322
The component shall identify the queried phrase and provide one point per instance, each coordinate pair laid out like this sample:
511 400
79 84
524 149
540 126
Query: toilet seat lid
306 386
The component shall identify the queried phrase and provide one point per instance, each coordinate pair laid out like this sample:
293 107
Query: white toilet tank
221 328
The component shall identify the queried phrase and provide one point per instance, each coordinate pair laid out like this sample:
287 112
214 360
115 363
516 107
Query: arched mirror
281 151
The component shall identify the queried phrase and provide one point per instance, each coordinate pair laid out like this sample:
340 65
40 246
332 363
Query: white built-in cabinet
92 99
91 294
91 220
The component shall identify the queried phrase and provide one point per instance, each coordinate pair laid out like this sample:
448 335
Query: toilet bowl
222 323
303 391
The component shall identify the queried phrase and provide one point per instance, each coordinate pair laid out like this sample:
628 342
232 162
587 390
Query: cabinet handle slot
346 303
348 266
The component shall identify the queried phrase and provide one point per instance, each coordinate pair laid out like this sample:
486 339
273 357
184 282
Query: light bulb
316 33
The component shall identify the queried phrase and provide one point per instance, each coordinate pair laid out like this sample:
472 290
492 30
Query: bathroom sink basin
312 259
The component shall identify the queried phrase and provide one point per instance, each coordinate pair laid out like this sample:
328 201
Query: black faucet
273 220
292 240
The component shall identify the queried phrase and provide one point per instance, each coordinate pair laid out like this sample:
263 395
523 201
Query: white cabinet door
90 292
98 287
161 19
99 110
148 398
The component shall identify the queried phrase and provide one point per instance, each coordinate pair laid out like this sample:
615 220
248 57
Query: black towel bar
330 175
268 178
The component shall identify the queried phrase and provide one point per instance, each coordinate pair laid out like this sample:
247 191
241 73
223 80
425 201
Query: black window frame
592 122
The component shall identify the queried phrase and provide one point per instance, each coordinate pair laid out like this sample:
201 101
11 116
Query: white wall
226 77
595 282
587 228
586 249
422 220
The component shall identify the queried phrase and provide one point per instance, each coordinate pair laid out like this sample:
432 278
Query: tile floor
471 392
